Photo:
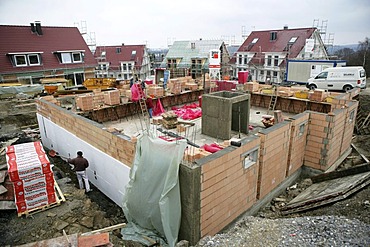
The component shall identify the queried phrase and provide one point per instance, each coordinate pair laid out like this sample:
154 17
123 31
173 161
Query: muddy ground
86 212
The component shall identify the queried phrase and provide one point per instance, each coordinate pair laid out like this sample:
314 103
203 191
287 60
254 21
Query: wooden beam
362 156
339 174
106 229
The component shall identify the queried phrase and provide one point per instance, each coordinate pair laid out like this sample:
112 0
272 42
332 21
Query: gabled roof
188 50
259 41
121 53
18 39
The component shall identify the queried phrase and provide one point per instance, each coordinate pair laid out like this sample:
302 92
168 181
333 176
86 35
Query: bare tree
363 46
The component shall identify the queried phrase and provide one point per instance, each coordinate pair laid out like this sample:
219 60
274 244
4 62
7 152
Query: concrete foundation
223 112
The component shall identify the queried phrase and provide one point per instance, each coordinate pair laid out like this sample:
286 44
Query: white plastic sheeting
152 198
109 175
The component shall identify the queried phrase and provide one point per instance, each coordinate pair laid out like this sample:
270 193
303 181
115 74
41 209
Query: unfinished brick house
31 53
215 188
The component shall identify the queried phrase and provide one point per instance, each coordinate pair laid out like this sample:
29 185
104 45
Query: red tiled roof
15 39
283 36
125 55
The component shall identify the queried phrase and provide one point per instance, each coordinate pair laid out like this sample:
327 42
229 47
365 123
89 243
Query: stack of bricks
85 102
30 172
318 95
191 86
169 120
155 91
112 97
98 99
175 86
251 87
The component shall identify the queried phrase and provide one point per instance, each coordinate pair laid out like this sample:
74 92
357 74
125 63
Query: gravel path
300 231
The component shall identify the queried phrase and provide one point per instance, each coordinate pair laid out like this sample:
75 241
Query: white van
339 78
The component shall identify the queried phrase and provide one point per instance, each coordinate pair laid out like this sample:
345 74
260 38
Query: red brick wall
227 188
273 157
89 131
297 144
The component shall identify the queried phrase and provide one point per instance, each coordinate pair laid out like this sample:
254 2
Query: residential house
31 53
122 62
264 53
156 57
192 58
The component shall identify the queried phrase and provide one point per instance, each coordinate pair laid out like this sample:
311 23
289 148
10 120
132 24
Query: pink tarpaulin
188 112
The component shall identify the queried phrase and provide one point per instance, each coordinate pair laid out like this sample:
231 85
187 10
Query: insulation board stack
112 97
169 120
30 172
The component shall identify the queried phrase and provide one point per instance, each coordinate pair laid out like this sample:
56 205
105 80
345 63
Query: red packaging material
37 182
27 166
36 201
26 147
26 196
211 149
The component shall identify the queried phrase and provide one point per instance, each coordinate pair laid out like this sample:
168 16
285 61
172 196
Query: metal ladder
273 100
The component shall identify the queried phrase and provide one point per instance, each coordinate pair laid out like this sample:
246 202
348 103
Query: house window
20 60
276 60
262 72
129 66
240 59
118 50
124 67
71 57
302 128
76 57
33 59
254 40
292 40
273 36
274 74
351 116
245 59
250 158
27 60
269 58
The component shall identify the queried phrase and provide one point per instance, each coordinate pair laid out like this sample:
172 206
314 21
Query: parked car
339 78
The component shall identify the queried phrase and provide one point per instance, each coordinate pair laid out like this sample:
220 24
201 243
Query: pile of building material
169 120
30 172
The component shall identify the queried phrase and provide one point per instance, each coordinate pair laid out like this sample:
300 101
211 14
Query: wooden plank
106 229
331 200
94 240
362 156
337 174
326 190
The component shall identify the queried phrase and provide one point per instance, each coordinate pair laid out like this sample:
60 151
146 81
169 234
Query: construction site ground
87 212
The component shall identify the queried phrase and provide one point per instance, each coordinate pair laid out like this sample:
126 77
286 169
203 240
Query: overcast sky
159 23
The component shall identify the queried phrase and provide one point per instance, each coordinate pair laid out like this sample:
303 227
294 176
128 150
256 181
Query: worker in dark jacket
80 165
149 106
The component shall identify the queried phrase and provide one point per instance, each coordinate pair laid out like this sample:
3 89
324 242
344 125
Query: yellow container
267 91
301 95
329 99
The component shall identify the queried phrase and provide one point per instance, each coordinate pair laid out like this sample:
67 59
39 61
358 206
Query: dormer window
25 59
70 56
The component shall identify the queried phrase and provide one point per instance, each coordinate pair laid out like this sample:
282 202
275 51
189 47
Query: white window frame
250 157
26 58
69 57
302 128
351 116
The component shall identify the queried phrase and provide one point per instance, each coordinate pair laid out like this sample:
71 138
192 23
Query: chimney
123 44
33 29
285 27
38 27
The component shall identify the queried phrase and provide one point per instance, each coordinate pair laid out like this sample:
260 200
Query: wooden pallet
59 199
